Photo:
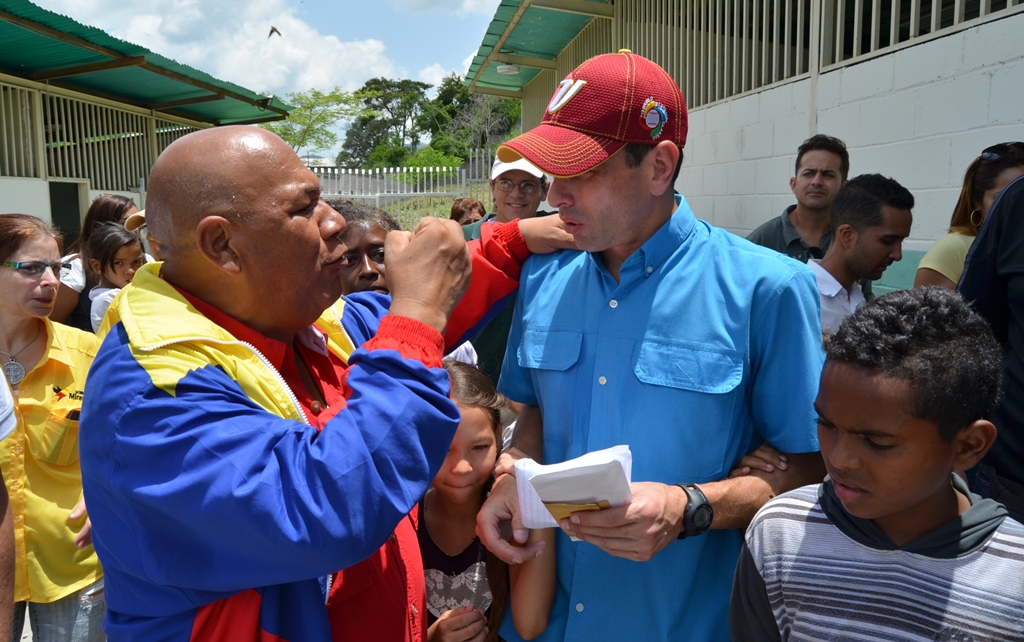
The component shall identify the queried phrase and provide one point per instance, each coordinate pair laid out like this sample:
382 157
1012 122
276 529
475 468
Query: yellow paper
561 511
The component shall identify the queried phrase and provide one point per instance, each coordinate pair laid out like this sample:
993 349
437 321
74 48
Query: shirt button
17 450
17 518
315 408
613 304
602 380
650 268
15 485
579 607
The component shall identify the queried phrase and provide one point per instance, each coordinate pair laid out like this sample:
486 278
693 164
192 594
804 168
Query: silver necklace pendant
14 372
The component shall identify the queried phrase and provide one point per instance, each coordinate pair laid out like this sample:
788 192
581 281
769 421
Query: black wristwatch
698 513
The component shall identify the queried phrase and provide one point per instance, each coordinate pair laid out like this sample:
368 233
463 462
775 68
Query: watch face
702 517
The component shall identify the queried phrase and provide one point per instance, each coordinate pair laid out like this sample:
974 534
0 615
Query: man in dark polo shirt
517 190
802 231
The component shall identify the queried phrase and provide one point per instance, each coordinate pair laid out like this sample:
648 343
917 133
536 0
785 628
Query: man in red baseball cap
687 343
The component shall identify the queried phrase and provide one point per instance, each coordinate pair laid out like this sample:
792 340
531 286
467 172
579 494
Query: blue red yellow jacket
215 506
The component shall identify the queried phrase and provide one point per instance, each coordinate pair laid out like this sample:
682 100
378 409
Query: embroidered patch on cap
565 92
654 117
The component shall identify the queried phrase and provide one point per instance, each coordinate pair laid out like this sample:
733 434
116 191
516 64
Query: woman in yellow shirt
995 168
56 572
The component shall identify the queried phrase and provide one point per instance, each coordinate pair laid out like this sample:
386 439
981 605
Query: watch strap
695 501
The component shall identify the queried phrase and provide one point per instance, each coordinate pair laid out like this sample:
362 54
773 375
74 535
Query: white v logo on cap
566 90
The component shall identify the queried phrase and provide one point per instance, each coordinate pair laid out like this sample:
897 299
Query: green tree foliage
438 114
487 120
439 163
365 134
397 114
388 153
458 120
309 125
392 111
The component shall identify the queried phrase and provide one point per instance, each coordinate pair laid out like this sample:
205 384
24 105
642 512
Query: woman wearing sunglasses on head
57 575
994 169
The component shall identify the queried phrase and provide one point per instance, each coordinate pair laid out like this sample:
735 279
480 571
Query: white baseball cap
500 167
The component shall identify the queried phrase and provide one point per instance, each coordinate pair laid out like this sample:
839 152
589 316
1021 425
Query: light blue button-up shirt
706 346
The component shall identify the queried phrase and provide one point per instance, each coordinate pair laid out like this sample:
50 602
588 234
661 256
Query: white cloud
228 39
434 74
467 62
460 7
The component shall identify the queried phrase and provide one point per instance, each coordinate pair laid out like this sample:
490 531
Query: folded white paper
600 476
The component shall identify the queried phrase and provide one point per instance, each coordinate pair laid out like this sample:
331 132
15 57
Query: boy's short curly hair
933 340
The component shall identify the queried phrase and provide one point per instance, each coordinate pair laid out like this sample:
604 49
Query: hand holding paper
593 481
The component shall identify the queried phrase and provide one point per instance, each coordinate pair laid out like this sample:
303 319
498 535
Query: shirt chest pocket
56 442
550 349
691 395
553 357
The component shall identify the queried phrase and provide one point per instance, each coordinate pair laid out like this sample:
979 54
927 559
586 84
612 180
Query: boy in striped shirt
892 545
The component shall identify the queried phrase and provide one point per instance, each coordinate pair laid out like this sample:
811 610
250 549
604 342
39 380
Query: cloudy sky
323 43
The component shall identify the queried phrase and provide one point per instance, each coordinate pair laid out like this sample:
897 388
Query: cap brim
560 151
135 221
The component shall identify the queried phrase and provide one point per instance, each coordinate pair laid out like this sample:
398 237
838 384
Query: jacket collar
153 313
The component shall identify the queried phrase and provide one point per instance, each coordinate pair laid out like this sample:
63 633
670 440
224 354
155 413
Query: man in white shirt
870 218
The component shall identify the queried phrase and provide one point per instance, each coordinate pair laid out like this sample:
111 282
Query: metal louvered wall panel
17 152
104 145
46 132
719 49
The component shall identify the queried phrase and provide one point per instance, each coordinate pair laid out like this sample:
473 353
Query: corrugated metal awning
47 47
529 34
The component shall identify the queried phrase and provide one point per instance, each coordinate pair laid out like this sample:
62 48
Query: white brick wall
920 115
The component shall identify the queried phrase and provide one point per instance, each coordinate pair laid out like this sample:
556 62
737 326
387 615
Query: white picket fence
408 193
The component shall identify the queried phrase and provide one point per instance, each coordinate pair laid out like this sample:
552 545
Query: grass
408 210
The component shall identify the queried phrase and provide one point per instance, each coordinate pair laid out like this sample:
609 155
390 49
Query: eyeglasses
997 151
527 187
35 269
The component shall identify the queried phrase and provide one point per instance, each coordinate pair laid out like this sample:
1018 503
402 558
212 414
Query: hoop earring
980 218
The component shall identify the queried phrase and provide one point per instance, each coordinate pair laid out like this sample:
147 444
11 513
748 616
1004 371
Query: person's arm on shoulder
497 259
750 613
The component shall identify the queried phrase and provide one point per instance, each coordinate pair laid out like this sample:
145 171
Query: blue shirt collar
657 249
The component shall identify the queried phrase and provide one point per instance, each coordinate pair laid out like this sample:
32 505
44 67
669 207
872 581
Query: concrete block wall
25 196
919 115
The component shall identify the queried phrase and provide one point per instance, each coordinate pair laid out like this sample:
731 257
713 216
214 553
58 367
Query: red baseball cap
604 104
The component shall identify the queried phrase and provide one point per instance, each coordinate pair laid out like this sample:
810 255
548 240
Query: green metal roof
527 32
47 47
